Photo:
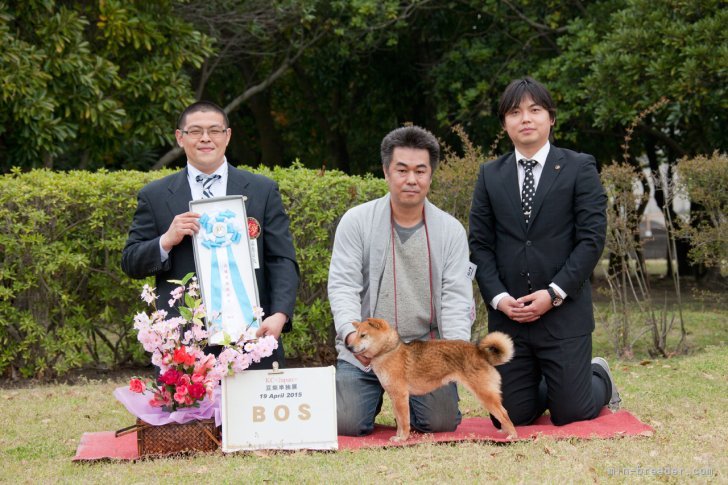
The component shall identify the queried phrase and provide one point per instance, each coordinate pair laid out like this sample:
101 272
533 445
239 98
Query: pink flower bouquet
187 374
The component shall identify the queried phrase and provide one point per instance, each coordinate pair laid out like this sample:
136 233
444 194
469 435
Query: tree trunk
47 160
336 146
271 145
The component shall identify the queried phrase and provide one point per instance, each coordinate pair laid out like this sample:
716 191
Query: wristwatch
556 300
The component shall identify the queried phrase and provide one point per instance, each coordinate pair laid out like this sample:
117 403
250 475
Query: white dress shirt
540 158
218 189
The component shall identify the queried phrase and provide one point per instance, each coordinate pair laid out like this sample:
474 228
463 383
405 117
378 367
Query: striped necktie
207 181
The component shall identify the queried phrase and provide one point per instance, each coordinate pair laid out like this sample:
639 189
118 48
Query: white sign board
280 409
225 267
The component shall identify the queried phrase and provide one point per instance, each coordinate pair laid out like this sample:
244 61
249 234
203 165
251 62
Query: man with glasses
160 239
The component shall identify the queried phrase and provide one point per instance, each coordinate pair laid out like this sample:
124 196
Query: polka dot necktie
529 187
207 181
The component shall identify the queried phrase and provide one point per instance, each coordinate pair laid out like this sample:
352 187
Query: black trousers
554 374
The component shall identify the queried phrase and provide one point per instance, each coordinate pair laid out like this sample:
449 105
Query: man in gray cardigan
402 259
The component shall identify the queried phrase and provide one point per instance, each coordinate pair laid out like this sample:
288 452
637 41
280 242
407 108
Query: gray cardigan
357 262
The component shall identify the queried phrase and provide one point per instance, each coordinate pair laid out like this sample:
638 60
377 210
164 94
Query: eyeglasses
196 133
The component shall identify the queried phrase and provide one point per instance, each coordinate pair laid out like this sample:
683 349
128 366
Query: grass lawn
684 398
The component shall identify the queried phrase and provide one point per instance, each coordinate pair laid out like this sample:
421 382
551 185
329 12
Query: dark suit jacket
160 201
562 243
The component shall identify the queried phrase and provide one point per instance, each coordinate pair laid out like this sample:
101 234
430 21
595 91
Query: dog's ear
376 323
356 325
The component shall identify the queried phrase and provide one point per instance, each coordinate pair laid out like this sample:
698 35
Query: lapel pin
245 198
557 167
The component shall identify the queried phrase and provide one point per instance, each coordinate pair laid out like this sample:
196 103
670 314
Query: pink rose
180 394
136 385
205 363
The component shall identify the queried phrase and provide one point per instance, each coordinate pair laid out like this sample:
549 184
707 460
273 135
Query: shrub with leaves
454 179
64 301
706 180
315 203
452 191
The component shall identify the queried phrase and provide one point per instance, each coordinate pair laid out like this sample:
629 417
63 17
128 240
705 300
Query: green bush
452 191
315 204
706 180
64 301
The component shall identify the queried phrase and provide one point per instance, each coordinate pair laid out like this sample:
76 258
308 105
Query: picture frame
225 268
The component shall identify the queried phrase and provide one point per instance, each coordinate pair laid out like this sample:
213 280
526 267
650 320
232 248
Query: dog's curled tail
497 347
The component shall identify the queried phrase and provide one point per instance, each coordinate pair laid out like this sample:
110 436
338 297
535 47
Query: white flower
258 312
141 321
159 315
148 294
176 294
193 288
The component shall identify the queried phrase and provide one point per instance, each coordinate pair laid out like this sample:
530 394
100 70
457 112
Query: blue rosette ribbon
220 234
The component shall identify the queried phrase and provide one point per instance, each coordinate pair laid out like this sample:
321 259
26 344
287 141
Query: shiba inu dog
419 367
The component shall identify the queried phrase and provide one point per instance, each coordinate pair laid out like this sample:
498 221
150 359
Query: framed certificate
225 268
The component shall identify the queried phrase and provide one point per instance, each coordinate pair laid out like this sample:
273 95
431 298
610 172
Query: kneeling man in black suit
537 231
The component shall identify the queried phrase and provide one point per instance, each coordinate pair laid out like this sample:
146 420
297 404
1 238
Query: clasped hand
528 308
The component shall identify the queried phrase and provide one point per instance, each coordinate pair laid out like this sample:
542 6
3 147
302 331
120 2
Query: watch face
556 300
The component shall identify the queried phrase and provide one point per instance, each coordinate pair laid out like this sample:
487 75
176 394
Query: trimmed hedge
64 301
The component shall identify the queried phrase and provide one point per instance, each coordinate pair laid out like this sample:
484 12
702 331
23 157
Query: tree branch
533 23
176 152
671 143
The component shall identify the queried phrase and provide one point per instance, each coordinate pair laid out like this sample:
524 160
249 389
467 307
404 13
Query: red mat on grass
98 446
606 425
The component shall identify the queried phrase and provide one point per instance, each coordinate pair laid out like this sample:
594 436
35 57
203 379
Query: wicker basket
172 439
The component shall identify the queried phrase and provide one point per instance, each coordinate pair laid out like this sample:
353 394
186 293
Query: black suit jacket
562 243
160 201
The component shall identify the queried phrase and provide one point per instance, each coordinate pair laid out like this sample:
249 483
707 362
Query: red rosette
253 228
